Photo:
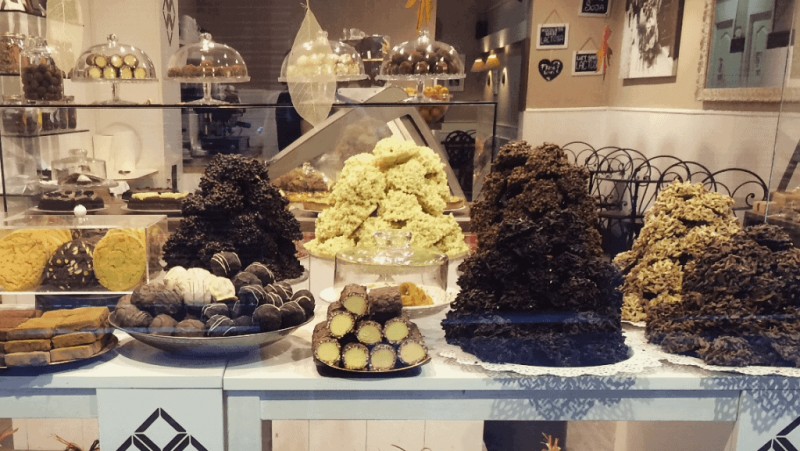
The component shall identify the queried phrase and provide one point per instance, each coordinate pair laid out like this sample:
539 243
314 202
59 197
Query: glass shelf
152 106
44 134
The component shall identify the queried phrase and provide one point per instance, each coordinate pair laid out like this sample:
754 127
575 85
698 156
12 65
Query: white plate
177 212
331 295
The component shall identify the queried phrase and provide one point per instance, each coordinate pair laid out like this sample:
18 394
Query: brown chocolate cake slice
740 303
236 210
538 290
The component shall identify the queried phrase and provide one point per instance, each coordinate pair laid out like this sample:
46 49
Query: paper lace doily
638 361
686 360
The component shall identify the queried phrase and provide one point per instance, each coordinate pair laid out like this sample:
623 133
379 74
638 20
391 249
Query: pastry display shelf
282 382
158 106
45 134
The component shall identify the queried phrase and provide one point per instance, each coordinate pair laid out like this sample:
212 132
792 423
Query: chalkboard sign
586 63
553 36
594 7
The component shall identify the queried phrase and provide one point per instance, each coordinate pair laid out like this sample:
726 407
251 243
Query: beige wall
566 91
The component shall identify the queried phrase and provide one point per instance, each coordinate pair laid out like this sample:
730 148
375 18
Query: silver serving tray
211 346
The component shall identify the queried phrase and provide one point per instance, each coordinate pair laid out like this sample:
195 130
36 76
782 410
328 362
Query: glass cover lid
422 58
345 62
79 169
207 62
114 62
393 261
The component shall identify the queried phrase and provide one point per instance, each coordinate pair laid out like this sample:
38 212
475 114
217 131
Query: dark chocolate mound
538 291
740 303
237 210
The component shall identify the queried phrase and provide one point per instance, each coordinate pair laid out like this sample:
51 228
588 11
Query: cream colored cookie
120 260
24 255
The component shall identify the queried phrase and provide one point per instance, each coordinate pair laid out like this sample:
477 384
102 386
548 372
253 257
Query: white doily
686 360
638 361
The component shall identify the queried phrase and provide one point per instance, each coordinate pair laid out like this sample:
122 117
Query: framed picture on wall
552 36
651 39
586 62
595 8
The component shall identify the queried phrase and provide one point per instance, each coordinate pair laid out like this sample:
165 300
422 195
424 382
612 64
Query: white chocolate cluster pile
398 186
684 220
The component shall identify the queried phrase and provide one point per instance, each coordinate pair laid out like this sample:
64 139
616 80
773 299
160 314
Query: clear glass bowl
345 62
114 62
422 58
392 262
41 78
80 170
207 62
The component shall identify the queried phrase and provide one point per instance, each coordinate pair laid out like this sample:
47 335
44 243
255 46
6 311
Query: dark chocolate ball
244 325
292 314
306 300
274 299
282 289
245 278
405 68
262 271
190 328
128 315
215 308
442 67
267 317
225 264
421 68
252 296
219 326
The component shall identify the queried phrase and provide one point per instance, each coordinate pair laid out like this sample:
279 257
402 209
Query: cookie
71 267
120 259
24 255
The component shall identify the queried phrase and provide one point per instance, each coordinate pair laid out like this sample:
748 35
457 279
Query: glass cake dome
207 62
422 58
114 63
393 262
345 62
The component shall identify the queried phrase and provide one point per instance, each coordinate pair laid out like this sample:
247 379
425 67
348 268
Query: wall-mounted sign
553 36
594 7
549 70
586 63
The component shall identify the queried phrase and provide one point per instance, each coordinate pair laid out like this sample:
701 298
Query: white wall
717 139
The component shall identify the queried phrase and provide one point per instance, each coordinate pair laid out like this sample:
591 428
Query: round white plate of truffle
437 303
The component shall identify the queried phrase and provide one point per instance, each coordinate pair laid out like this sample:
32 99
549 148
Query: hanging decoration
424 11
64 32
312 95
605 52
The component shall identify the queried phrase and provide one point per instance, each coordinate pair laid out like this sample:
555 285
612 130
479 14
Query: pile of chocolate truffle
740 303
225 301
237 210
539 290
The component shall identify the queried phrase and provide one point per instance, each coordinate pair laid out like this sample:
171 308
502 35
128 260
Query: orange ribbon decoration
424 11
605 52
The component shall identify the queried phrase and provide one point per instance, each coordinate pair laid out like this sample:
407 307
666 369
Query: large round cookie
120 260
71 266
24 254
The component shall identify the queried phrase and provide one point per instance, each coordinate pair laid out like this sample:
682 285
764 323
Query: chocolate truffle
163 325
261 271
155 299
245 278
129 315
252 295
292 314
225 264
306 300
274 299
244 325
190 328
215 308
219 326
267 317
282 289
